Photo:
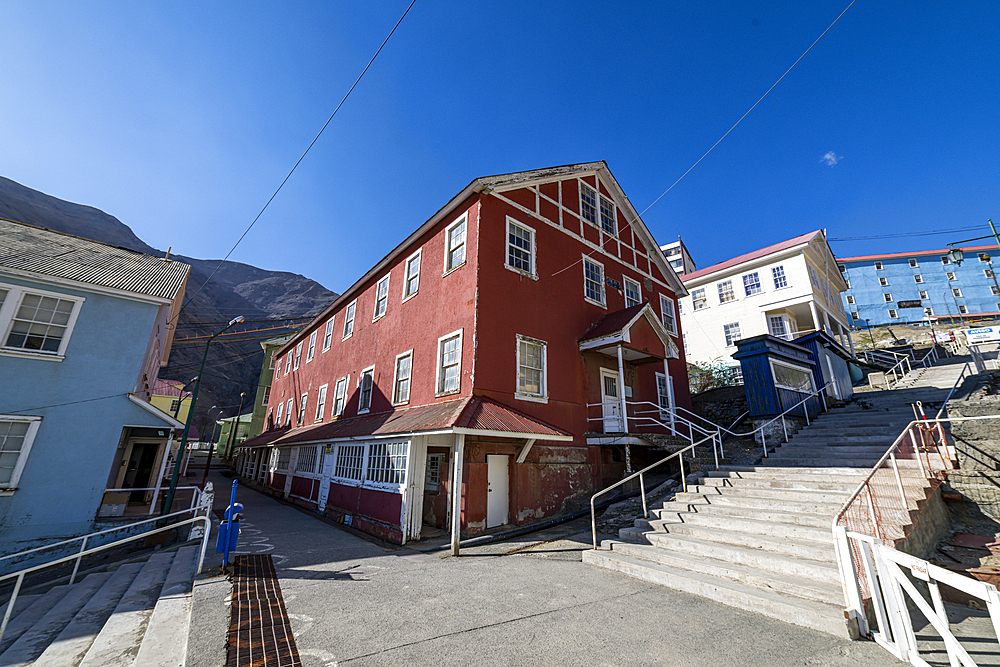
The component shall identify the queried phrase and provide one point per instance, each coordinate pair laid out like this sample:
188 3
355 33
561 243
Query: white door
324 482
498 489
610 402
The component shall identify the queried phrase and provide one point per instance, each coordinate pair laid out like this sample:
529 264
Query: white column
621 389
163 467
850 342
815 316
456 493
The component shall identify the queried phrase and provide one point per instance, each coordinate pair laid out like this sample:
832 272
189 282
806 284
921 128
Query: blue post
229 524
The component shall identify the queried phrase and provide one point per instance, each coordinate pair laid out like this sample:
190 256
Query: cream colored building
787 289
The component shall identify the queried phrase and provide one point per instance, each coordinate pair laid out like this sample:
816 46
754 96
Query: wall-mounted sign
983 335
613 283
910 304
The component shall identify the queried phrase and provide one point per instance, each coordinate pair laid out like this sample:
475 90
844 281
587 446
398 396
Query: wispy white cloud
831 158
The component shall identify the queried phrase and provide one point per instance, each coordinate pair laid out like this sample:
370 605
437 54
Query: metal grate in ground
260 634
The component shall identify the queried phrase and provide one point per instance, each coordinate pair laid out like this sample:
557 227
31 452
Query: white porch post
163 467
850 342
456 493
815 316
621 389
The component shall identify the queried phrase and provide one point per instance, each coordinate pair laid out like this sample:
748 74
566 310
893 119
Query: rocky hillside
236 289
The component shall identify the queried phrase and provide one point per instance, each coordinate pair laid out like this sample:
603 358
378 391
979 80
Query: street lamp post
187 426
180 396
870 334
235 427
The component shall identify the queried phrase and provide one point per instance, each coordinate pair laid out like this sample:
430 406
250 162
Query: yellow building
170 397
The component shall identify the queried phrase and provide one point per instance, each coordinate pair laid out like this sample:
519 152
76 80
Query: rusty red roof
474 414
167 388
612 323
750 256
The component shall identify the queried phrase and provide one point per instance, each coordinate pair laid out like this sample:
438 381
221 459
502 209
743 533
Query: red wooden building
496 345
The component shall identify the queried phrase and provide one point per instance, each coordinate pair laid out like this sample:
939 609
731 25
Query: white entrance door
611 405
324 482
498 489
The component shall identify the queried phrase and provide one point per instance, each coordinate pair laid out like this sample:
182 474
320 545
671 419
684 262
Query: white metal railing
897 372
672 422
195 496
930 358
874 518
982 360
888 357
958 381
20 574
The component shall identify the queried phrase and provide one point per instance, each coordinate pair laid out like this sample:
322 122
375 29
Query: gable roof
42 252
614 328
751 256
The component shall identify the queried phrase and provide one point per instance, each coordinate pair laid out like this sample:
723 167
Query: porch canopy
636 331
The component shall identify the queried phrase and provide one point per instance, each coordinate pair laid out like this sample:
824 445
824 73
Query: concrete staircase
135 615
759 537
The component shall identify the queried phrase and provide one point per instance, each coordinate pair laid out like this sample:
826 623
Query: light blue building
84 328
914 287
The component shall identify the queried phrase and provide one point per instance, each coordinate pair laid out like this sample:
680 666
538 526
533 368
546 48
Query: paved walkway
354 602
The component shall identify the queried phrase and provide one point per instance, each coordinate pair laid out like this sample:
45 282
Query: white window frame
602 200
288 362
266 397
298 356
631 301
748 286
878 266
604 298
370 371
278 415
963 309
725 288
984 257
994 290
703 300
595 206
396 400
22 457
340 396
349 314
532 254
543 384
951 275
883 281
321 402
12 303
887 296
352 453
448 249
381 298
778 275
407 278
288 411
438 384
945 259
311 352
725 335
923 294
301 416
987 273
391 449
272 360
913 263
957 292
283 458
432 476
850 299
918 279
928 311
893 314
667 304
328 334
802 369
315 463
855 315
668 384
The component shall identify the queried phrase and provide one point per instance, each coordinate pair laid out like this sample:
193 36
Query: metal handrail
958 381
20 574
642 484
932 355
195 497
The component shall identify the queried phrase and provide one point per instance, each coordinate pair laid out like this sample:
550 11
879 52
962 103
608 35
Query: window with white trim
850 299
963 309
698 299
776 323
984 257
401 386
994 290
411 275
298 356
340 397
855 315
732 333
951 275
312 347
349 319
302 409
175 405
288 361
272 351
796 378
277 369
306 460
945 259
449 363
928 312
288 411
387 462
878 266
892 313
366 383
328 334
37 322
917 278
321 402
887 296
913 263
987 273
531 362
726 293
350 462
588 203
454 245
923 294
593 281
520 247
633 292
667 314
780 279
432 478
664 395
16 436
381 297
267 395
284 456
680 307
684 338
957 292
884 282
609 222
278 414
751 284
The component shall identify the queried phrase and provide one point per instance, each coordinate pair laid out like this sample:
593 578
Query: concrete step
804 586
165 641
776 496
740 525
22 603
69 647
796 470
829 451
834 438
791 459
30 614
119 639
846 486
670 512
809 549
39 635
825 509
806 613
790 474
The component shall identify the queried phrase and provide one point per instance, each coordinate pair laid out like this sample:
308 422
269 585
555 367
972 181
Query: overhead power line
934 232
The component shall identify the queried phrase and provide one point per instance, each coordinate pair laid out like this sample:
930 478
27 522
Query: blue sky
182 118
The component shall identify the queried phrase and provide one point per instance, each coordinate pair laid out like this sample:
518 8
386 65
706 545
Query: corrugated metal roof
29 248
750 256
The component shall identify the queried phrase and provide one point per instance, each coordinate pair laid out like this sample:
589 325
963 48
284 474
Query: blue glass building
913 287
